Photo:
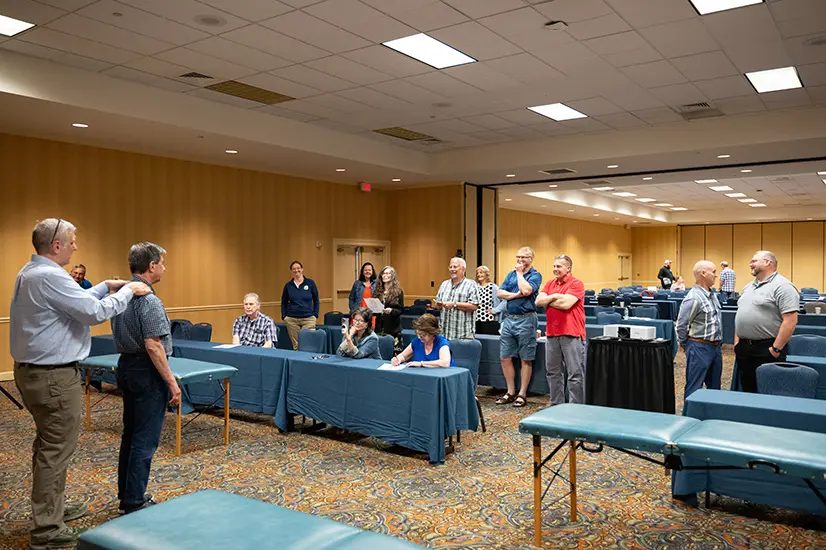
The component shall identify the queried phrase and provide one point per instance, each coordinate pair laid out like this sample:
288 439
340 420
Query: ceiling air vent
250 93
557 171
195 75
703 109
405 134
599 183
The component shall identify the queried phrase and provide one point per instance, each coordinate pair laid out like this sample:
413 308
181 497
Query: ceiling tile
313 78
90 29
802 53
267 40
441 83
817 94
738 105
542 40
57 56
312 30
388 61
141 22
490 136
300 3
522 117
632 98
786 10
705 66
645 13
491 122
646 54
337 126
76 45
482 76
69 5
586 125
594 106
206 64
758 56
251 10
476 41
335 101
621 120
277 110
126 73
307 107
729 86
30 11
374 99
186 11
424 15
800 27
348 70
523 67
516 22
658 115
746 25
407 91
650 75
223 98
522 133
460 126
680 39
280 85
573 11
238 53
567 57
616 43
600 26
481 8
159 67
813 74
360 19
786 99
678 94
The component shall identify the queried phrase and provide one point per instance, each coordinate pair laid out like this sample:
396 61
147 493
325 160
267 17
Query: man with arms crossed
518 333
253 328
49 334
143 339
563 299
457 299
700 331
766 319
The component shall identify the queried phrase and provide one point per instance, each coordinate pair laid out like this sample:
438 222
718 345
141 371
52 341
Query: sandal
505 399
519 401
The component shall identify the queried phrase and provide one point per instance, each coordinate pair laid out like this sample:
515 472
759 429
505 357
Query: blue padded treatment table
686 444
817 363
207 520
185 371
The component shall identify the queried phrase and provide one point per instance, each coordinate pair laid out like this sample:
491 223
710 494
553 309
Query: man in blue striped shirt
700 331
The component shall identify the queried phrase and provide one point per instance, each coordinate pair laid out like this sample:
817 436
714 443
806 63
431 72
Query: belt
34 366
764 342
707 342
519 315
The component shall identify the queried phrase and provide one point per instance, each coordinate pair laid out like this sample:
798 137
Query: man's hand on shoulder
139 289
114 284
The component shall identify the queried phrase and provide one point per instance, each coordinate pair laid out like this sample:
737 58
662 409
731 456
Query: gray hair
567 259
766 255
48 231
667 262
143 254
724 263
254 296
530 251
461 261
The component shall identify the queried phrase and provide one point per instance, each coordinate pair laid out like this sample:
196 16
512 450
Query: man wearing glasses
49 334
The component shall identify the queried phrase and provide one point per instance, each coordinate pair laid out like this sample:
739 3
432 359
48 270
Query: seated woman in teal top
359 341
429 348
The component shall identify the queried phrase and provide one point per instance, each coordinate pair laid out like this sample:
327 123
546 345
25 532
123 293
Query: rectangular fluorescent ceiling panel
602 188
428 50
705 181
747 200
557 111
721 188
757 205
679 209
10 26
646 200
625 194
663 204
772 80
735 195
704 7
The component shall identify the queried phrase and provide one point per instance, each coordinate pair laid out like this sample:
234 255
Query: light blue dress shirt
51 314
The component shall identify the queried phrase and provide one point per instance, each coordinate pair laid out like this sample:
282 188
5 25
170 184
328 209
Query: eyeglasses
358 320
54 235
523 257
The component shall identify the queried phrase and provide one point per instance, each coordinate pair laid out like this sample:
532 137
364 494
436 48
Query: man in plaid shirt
457 299
727 281
254 328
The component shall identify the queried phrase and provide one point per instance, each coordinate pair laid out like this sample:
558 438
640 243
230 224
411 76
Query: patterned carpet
480 498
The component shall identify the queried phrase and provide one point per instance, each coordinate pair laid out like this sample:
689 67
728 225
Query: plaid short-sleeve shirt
145 317
254 333
456 323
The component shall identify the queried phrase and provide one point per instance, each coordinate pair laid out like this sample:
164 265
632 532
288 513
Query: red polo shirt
572 321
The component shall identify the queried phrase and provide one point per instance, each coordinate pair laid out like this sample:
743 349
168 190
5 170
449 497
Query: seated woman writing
429 348
360 342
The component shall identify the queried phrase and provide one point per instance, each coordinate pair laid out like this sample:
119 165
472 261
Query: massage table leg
537 491
178 430
572 479
226 411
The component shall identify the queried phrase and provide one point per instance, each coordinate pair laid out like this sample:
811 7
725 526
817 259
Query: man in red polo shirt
565 349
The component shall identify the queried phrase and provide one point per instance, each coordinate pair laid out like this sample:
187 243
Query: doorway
623 270
350 254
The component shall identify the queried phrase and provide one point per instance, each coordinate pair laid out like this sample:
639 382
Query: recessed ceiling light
231 152
341 169
824 181
679 209
704 7
429 50
635 221
757 205
646 200
613 166
80 125
821 173
772 80
510 175
625 194
723 156
508 200
397 179
544 205
602 188
705 181
647 179
552 186
10 26
809 219
570 210
745 171
721 188
735 195
747 200
663 204
557 111
596 215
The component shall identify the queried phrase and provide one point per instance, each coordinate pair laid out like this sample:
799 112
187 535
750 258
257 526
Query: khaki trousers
53 397
294 325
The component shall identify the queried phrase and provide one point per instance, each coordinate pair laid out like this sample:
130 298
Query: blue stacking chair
201 332
661 296
467 354
426 302
314 341
590 292
386 344
417 310
787 379
810 345
334 317
808 290
646 311
604 309
607 291
604 318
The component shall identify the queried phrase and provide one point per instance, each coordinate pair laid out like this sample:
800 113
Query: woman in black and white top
487 322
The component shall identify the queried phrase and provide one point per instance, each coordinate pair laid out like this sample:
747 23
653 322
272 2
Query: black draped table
630 374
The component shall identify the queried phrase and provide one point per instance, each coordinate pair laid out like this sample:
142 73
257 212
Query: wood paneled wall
592 246
227 231
651 246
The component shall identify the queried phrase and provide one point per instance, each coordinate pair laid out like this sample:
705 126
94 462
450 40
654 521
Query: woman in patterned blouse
487 322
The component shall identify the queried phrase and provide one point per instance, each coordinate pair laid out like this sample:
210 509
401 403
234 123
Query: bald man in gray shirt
766 319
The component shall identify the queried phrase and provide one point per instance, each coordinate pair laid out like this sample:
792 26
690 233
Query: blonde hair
484 269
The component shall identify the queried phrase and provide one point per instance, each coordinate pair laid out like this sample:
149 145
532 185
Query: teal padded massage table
714 444
212 519
185 371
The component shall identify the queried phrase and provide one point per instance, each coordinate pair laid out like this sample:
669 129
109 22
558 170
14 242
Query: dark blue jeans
703 364
145 397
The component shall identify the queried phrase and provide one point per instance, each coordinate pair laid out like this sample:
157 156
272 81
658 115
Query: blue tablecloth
668 309
757 486
806 324
817 363
417 408
810 319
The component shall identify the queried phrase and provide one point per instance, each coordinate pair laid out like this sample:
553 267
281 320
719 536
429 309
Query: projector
632 332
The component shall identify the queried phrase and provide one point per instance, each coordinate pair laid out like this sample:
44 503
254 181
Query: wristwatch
774 349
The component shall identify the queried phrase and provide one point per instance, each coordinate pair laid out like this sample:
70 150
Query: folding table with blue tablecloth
817 363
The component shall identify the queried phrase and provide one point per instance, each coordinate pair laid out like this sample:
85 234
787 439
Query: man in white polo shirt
766 319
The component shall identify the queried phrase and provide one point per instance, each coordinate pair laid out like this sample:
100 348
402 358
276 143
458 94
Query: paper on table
374 304
226 346
388 366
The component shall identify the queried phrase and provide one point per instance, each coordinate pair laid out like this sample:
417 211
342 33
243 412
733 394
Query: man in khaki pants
49 334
